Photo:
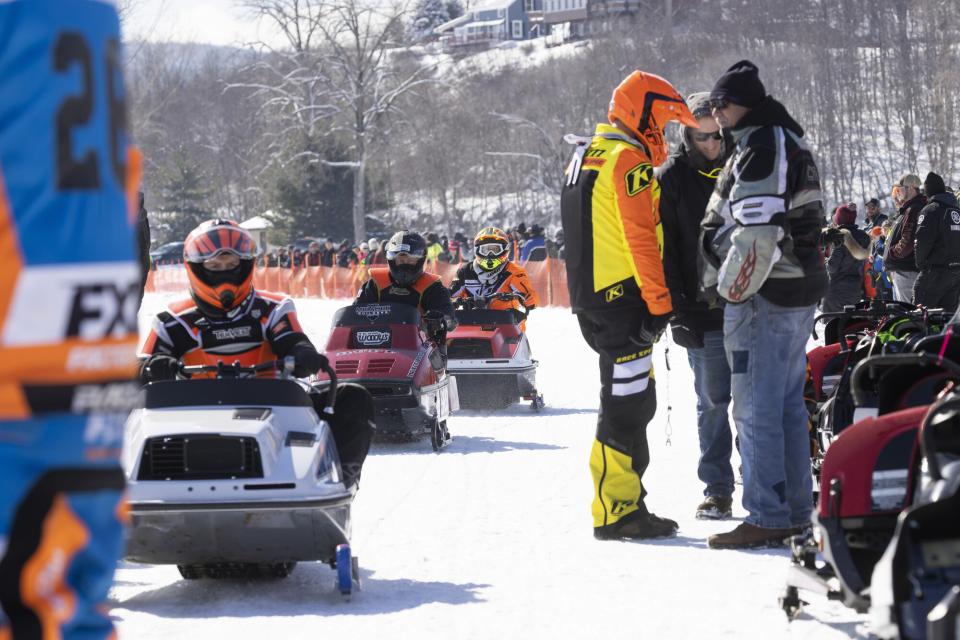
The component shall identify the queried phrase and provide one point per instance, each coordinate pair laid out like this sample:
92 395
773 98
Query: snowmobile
857 333
384 348
867 476
490 355
237 475
915 587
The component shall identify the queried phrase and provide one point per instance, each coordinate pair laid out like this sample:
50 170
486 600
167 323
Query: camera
831 235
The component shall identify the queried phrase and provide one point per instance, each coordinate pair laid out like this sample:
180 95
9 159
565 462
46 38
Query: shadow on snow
309 590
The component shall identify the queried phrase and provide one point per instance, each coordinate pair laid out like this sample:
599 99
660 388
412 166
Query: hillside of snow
492 538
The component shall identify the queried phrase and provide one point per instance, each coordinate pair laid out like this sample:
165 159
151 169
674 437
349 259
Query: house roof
450 24
490 5
256 223
482 23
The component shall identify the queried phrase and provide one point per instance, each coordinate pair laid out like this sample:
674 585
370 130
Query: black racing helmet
410 244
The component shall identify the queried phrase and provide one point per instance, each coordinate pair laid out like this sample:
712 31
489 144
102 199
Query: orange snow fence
549 277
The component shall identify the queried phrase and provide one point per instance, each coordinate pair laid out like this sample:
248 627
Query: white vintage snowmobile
237 474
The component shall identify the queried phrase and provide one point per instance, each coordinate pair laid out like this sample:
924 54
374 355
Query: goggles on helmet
490 249
403 250
217 240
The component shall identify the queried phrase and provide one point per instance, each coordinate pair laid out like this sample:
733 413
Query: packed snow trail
492 537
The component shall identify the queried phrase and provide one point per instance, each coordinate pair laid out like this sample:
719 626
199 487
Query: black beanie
740 84
933 184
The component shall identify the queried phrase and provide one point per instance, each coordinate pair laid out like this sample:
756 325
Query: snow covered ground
492 538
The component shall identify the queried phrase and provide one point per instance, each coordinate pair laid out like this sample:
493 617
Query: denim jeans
711 381
765 345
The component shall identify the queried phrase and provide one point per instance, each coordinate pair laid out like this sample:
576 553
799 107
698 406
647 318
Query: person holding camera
847 247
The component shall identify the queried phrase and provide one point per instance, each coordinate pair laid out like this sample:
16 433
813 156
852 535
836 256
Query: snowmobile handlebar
332 389
928 447
878 311
481 302
236 370
890 360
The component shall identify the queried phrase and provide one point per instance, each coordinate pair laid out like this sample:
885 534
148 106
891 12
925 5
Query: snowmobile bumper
492 383
402 409
238 532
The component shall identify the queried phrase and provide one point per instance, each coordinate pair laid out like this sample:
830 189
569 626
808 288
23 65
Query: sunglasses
703 137
718 103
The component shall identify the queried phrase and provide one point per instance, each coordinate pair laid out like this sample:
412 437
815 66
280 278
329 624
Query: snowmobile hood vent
200 457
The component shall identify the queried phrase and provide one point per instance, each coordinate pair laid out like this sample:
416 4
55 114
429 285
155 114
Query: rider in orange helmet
611 224
225 318
491 271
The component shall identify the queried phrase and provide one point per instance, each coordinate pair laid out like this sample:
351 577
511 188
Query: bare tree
344 74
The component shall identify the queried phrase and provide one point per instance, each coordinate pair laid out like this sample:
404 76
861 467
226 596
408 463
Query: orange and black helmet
645 103
217 292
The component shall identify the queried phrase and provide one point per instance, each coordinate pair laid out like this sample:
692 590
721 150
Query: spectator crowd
528 243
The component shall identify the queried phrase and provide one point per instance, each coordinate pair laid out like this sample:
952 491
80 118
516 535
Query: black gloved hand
652 327
686 336
159 367
435 321
307 360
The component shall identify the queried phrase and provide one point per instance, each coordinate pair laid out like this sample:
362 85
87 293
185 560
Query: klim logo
614 293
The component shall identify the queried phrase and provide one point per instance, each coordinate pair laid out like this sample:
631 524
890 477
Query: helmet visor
400 249
490 249
217 240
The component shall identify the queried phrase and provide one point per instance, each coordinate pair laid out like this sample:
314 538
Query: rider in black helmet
405 282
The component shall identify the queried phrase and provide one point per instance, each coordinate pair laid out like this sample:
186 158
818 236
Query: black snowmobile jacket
687 180
761 232
898 255
937 244
845 270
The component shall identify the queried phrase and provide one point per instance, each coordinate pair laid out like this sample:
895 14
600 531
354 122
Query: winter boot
639 525
748 536
715 508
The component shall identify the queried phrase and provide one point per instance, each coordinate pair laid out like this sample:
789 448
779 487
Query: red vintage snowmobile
384 348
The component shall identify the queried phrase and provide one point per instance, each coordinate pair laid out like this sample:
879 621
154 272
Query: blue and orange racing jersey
69 278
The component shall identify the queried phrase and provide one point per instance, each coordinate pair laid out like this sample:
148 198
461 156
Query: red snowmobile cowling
383 348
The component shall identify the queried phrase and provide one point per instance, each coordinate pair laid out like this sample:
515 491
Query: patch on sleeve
638 178
741 361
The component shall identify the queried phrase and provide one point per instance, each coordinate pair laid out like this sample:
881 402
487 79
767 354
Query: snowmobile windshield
378 313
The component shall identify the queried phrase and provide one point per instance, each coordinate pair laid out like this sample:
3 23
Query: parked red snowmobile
853 335
869 472
384 348
915 587
490 356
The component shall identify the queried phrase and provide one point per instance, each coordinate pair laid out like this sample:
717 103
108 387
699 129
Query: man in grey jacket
760 244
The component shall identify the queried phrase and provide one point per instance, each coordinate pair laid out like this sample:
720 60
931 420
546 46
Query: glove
159 367
652 327
685 335
307 361
435 321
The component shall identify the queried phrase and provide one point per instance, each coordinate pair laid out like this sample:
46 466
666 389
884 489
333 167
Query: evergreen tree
429 14
184 198
310 199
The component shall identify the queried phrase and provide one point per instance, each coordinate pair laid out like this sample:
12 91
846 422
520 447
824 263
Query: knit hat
873 201
740 84
699 104
844 215
933 184
910 180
